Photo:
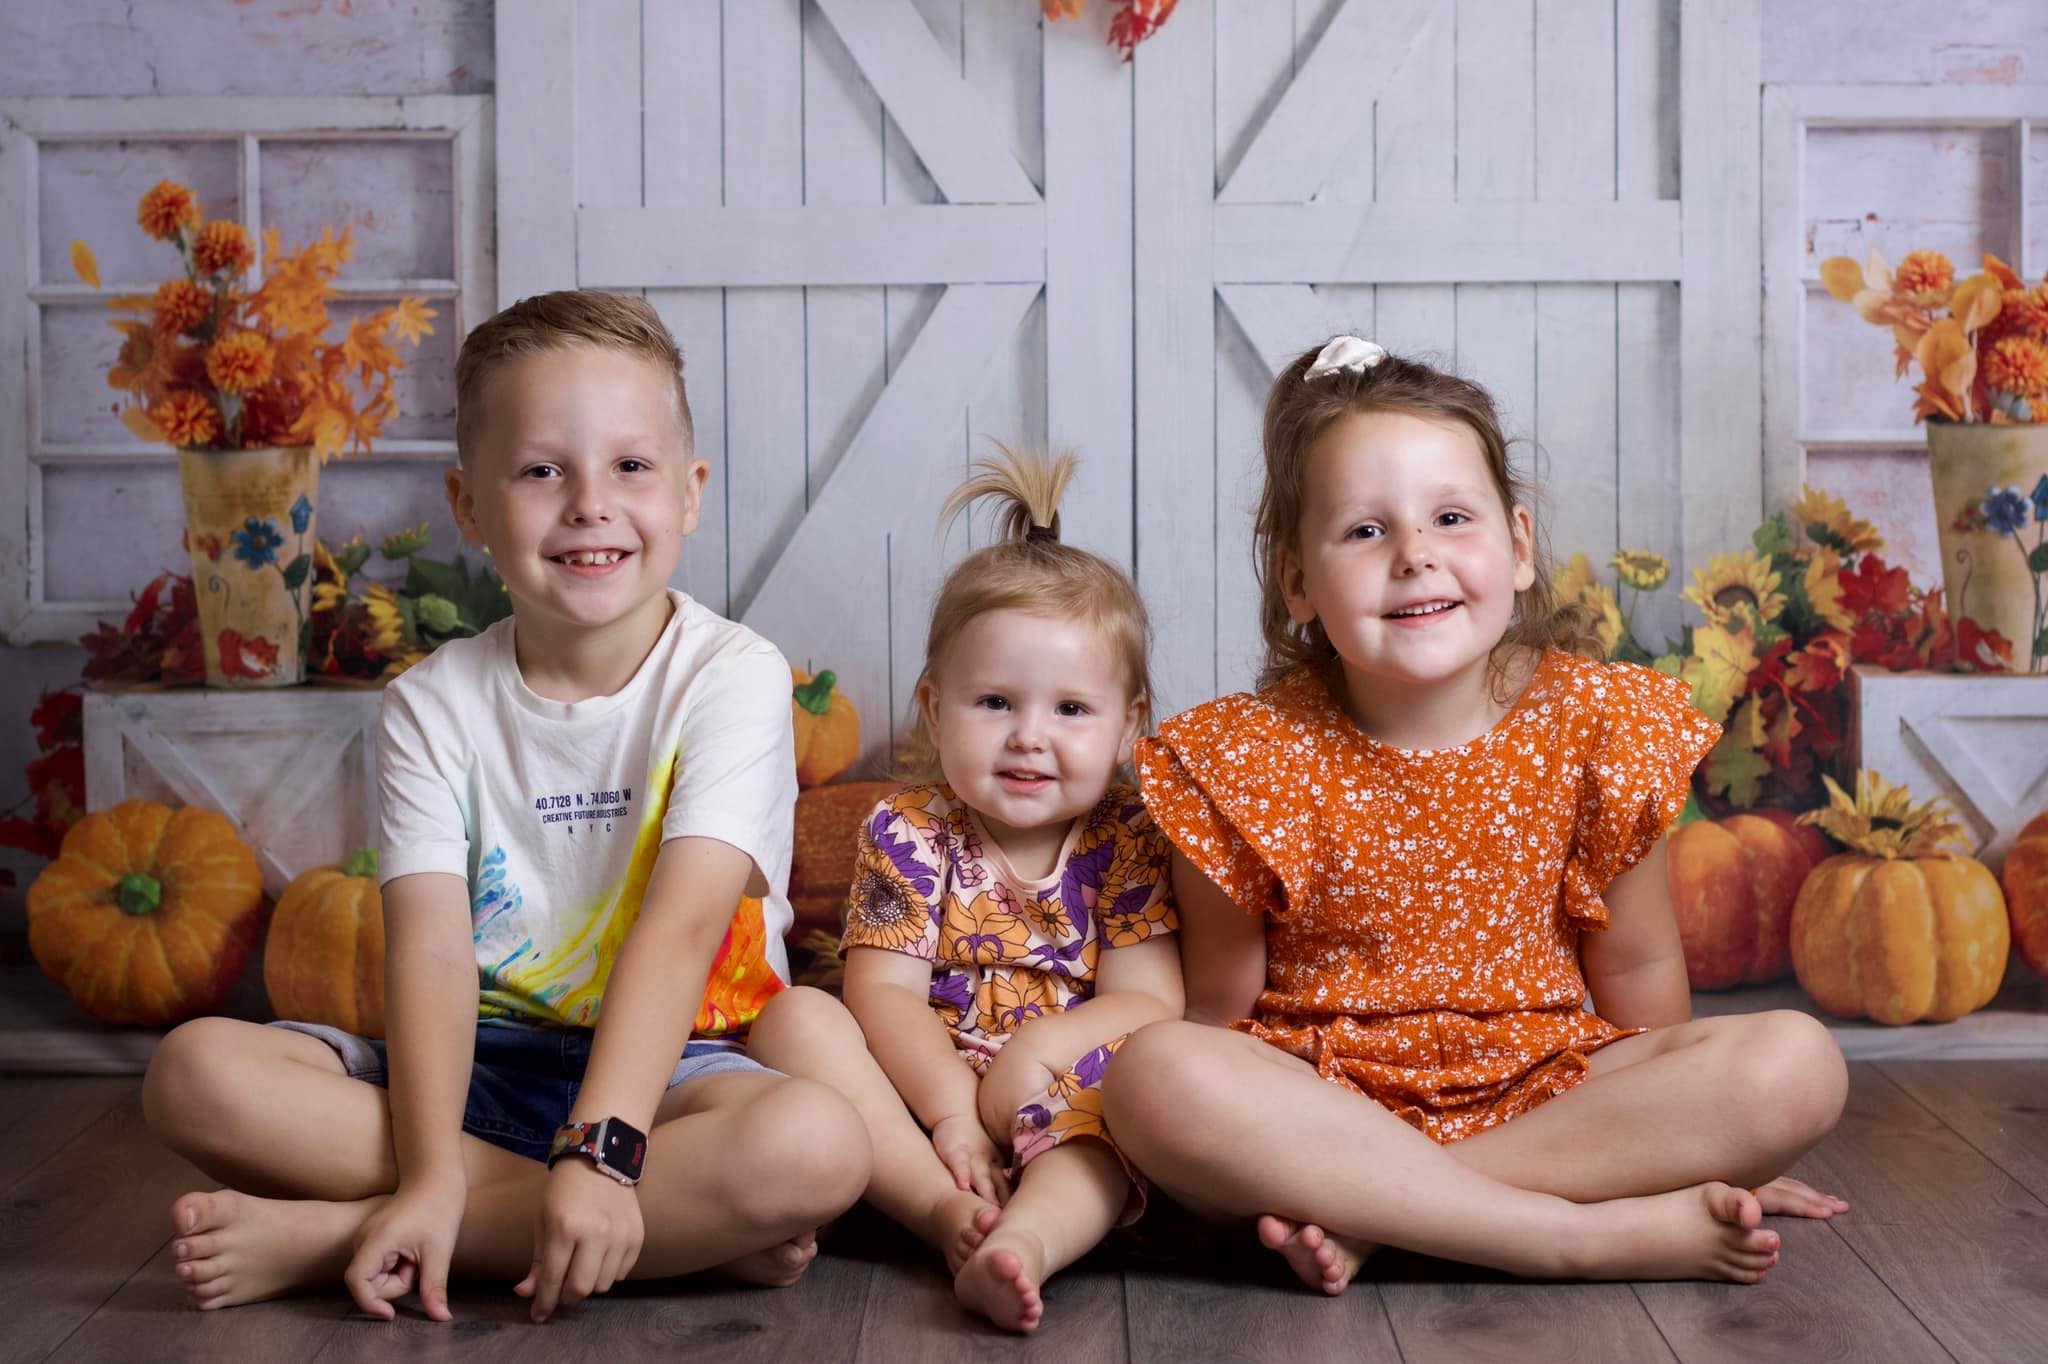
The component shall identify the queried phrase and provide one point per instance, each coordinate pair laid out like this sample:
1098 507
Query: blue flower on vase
2041 499
2005 511
302 515
256 542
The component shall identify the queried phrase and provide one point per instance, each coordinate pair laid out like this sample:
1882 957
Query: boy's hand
972 1159
405 1245
586 1239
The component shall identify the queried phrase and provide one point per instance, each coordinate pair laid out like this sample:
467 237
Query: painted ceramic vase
1991 509
249 529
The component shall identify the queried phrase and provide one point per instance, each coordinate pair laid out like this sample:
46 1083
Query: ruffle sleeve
1634 778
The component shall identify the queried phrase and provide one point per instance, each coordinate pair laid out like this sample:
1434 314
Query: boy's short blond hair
557 321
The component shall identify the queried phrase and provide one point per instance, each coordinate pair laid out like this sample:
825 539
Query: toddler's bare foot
1000 1280
1710 1231
778 1266
958 1222
1324 1261
1789 1197
231 1248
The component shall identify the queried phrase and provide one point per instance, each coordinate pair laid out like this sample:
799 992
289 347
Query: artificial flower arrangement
362 629
1781 623
208 364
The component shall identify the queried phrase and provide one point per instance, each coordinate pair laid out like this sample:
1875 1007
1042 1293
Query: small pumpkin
2026 893
827 728
827 834
147 914
1733 885
323 961
1901 927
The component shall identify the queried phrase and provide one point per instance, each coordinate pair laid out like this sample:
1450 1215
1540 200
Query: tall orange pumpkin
323 960
148 914
2026 893
827 728
1733 885
1900 928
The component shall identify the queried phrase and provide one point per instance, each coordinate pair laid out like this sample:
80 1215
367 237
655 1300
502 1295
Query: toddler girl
1401 865
1012 916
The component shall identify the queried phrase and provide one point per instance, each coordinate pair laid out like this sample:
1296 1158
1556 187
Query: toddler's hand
405 1245
586 1238
971 1158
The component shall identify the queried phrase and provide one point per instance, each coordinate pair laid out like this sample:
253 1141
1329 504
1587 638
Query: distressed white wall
109 47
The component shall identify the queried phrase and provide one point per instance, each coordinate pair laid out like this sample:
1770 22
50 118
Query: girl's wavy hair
1027 568
1299 411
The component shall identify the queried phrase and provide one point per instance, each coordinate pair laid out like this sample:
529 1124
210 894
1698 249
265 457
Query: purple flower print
953 989
903 853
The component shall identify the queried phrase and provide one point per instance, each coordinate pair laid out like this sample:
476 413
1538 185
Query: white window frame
464 121
1789 111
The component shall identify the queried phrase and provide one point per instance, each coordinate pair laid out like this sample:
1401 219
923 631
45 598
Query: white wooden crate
294 769
1980 741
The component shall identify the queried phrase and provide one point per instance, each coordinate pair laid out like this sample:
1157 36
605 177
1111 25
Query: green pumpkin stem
815 695
139 893
361 862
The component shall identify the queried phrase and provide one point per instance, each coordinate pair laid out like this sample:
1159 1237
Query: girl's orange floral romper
1423 908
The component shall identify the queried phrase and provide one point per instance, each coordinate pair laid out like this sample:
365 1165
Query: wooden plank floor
1945 1257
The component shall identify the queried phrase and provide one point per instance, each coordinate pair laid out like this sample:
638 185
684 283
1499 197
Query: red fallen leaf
1985 650
59 718
1135 21
252 658
30 837
1871 588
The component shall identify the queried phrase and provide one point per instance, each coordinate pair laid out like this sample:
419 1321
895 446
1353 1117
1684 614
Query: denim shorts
525 1078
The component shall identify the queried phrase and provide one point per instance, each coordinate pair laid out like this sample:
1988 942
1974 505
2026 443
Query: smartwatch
614 1146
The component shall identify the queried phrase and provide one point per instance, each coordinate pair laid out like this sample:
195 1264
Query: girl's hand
405 1245
586 1238
971 1158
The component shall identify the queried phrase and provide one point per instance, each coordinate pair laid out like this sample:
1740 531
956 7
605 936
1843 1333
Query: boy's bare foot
231 1248
778 1266
1324 1261
1789 1197
1710 1231
1000 1280
958 1223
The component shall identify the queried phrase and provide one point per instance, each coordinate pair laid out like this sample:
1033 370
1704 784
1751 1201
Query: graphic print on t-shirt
591 811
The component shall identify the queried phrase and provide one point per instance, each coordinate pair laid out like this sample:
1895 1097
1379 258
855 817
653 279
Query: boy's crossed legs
1679 1109
741 1170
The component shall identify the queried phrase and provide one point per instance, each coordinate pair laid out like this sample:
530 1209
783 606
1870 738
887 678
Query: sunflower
1608 626
222 248
167 209
239 362
1642 570
1733 583
387 624
1827 520
1824 589
1571 581
187 419
886 910
1882 820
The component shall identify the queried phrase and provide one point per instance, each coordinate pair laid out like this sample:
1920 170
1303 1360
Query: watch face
624 1148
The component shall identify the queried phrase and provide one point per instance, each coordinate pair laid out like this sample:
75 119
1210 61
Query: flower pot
1989 496
249 529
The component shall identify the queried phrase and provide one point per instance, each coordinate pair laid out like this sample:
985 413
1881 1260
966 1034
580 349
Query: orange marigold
1924 277
187 419
181 305
167 209
239 362
2018 364
2025 312
144 365
222 248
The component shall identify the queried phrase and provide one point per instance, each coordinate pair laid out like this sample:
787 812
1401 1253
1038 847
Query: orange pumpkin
2026 893
821 865
1733 884
1900 928
323 960
148 914
827 728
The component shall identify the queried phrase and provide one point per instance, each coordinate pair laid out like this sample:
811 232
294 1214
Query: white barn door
885 230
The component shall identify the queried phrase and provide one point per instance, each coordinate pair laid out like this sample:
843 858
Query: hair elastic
1345 355
1041 533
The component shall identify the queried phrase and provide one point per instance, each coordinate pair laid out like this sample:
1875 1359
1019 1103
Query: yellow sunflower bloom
1642 570
1824 589
1827 521
1571 580
1734 583
387 625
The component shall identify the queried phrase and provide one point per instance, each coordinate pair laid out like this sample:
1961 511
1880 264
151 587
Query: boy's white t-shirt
553 811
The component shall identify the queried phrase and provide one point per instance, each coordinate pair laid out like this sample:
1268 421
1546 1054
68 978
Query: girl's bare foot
1320 1259
778 1266
1710 1231
958 1223
231 1248
1789 1197
1000 1280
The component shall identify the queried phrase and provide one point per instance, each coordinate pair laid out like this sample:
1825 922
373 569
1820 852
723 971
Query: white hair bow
1346 355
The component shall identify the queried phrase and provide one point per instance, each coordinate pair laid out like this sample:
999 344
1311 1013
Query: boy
572 805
